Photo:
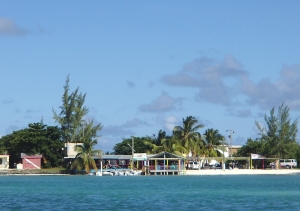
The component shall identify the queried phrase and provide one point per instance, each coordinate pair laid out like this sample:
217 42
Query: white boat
106 173
99 174
133 173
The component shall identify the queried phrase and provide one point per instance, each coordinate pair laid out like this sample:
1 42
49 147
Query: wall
31 163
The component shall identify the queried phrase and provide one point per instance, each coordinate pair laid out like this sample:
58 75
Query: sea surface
224 192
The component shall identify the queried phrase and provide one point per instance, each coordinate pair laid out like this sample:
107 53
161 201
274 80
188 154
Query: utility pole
223 162
230 145
132 151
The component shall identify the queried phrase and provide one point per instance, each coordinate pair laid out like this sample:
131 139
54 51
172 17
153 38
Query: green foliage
172 145
213 141
187 134
251 146
279 136
123 148
84 160
71 114
36 139
161 143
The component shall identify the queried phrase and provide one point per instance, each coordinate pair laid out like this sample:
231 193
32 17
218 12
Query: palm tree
161 135
173 146
214 142
187 134
164 143
84 159
199 147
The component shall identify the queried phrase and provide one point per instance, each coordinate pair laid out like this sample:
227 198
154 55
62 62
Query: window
122 162
1 161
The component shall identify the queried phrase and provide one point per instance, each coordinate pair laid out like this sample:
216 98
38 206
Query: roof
23 155
128 157
114 157
166 155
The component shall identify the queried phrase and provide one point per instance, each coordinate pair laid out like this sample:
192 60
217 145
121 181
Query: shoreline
185 173
30 172
243 172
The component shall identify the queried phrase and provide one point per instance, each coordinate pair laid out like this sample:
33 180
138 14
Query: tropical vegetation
38 138
76 129
277 138
84 160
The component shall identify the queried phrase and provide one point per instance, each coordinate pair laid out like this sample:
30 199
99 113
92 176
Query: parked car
193 165
217 166
288 163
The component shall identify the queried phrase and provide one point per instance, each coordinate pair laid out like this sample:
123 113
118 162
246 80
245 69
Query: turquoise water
226 192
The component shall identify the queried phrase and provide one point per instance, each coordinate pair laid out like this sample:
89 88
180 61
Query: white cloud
8 27
161 104
215 80
134 123
268 94
225 83
239 113
170 123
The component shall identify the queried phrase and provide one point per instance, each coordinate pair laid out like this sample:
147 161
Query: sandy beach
243 172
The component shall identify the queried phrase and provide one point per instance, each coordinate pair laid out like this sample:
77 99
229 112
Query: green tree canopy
36 139
187 134
84 160
74 128
214 141
280 133
123 148
251 147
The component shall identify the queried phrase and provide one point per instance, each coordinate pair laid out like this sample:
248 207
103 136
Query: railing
164 167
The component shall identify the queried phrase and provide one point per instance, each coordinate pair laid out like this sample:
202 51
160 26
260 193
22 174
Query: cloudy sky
146 65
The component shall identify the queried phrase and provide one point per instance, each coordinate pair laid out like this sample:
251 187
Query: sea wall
242 172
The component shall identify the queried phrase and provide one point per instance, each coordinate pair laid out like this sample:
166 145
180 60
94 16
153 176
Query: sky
147 65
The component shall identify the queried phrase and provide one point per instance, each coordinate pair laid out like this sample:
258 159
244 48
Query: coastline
22 172
12 172
243 172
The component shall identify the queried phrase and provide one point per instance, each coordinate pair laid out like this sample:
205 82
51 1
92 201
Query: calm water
226 192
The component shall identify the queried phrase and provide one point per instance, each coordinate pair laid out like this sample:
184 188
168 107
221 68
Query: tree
158 139
71 117
172 145
167 144
36 139
251 147
158 144
72 112
187 134
214 141
124 148
84 160
280 133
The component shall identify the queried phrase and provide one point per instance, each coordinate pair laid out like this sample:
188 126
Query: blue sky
146 65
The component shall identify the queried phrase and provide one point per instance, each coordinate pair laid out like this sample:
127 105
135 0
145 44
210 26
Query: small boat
106 173
133 173
99 174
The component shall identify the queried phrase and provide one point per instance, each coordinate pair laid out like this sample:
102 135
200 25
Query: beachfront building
163 163
30 161
4 161
166 163
227 152
113 161
70 152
